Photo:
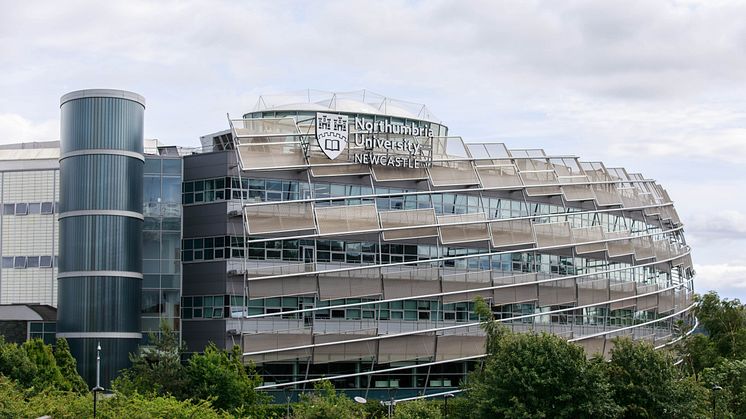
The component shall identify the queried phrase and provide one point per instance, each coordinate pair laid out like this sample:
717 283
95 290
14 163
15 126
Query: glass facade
364 275
161 238
100 227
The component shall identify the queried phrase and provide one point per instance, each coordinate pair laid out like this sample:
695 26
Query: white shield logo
332 133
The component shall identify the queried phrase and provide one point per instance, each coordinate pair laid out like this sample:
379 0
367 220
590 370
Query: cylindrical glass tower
100 263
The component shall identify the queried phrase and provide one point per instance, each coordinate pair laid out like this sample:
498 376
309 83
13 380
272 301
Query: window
44 261
171 166
19 262
9 209
33 262
21 209
47 208
7 261
34 208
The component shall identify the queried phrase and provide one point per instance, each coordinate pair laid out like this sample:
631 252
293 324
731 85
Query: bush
325 403
418 409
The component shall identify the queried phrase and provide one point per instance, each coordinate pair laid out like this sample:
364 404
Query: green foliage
492 329
417 409
528 375
698 353
48 374
373 409
136 406
725 321
458 407
36 367
543 375
68 366
15 363
157 368
326 403
215 373
646 384
730 376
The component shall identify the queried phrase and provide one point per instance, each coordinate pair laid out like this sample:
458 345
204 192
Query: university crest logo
332 133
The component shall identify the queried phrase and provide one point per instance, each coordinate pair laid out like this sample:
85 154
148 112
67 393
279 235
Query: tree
68 366
698 352
15 363
646 384
730 376
156 368
222 376
530 375
725 322
326 403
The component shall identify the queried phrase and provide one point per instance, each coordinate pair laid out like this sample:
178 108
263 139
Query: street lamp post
715 389
98 378
445 402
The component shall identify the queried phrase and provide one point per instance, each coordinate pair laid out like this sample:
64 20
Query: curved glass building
346 235
340 236
100 224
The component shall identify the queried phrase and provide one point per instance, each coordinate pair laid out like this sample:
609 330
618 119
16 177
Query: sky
658 87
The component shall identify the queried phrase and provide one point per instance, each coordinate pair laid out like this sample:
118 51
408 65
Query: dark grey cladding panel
210 165
206 220
199 333
204 278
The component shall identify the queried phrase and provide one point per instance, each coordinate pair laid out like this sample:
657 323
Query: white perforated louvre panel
595 346
348 218
547 178
619 290
454 347
355 283
518 293
453 232
643 248
553 234
665 301
275 218
465 281
344 351
387 174
588 234
403 348
607 195
270 155
268 341
557 292
578 192
406 281
500 177
406 218
619 247
453 173
650 301
592 291
511 233
276 287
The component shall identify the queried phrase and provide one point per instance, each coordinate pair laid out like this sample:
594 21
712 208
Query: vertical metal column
101 221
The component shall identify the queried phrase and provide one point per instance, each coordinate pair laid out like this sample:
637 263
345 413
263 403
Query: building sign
332 132
379 143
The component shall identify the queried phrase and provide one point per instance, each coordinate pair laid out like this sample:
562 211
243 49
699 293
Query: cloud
658 85
727 279
15 129
727 224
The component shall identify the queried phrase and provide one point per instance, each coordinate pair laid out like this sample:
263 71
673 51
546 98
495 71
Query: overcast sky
656 86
